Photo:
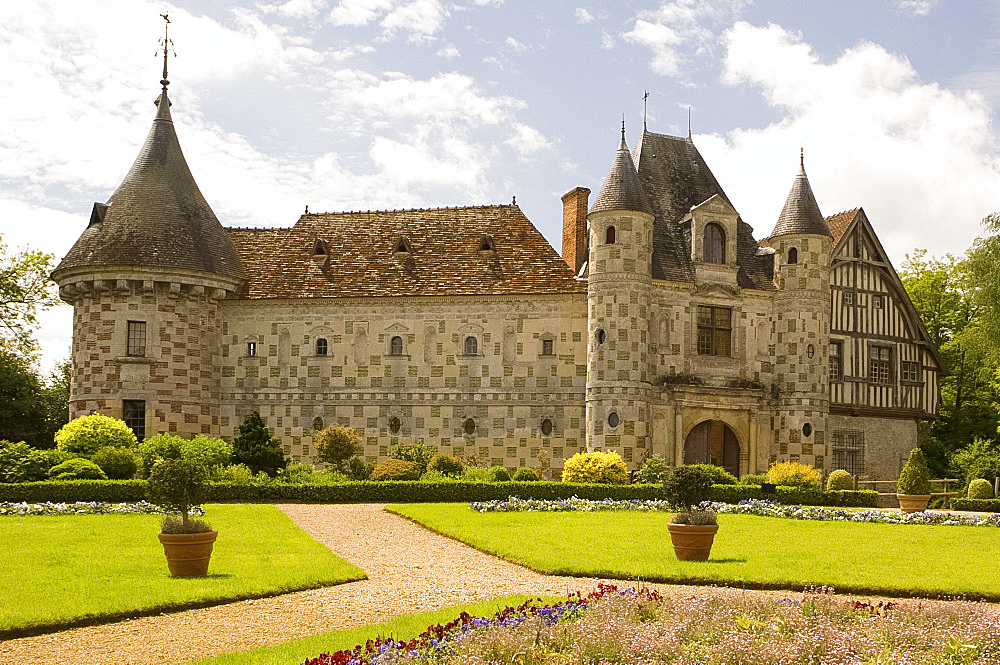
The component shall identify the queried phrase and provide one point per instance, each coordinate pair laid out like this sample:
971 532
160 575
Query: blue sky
370 104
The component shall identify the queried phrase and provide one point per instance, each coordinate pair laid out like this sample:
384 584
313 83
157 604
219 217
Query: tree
25 289
256 448
22 415
337 444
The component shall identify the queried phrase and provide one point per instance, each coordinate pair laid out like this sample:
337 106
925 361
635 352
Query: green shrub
446 465
499 474
595 467
117 463
336 444
437 477
77 468
980 489
653 470
396 469
716 474
476 474
207 451
795 474
257 448
839 480
752 479
687 486
358 469
304 474
525 475
20 463
177 486
155 448
88 434
418 453
915 478
239 474
980 459
978 505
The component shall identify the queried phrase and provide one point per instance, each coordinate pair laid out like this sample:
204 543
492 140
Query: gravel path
409 568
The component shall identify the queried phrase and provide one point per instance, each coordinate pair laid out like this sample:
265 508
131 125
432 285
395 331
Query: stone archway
713 442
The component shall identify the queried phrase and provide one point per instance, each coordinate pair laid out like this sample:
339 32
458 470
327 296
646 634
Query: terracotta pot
913 503
692 542
188 553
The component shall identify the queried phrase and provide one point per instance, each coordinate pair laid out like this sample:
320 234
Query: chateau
664 328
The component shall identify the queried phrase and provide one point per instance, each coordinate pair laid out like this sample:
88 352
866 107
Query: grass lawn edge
858 590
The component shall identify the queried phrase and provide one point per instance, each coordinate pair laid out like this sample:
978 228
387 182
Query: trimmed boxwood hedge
117 491
977 505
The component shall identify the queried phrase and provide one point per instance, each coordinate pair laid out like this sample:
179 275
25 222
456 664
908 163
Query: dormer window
486 244
402 246
609 236
714 245
793 255
320 252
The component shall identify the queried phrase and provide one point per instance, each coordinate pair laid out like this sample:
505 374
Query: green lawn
73 569
400 628
749 551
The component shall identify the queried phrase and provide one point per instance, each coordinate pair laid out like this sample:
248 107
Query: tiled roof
621 189
838 223
445 258
157 217
675 178
801 212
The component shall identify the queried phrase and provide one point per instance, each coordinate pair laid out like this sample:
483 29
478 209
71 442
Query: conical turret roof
801 212
621 189
157 218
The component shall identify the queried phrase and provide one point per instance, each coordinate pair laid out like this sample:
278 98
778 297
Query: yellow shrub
795 474
596 467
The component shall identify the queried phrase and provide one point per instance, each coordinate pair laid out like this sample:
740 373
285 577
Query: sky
382 104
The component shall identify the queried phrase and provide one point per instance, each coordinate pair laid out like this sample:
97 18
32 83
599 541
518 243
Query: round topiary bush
177 486
525 475
839 481
980 489
718 475
499 474
795 474
88 434
117 463
77 469
595 467
446 465
687 486
915 478
395 469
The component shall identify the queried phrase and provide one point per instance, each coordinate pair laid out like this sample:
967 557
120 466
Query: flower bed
84 508
746 507
730 626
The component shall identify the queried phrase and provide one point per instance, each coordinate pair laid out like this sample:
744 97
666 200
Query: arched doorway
712 442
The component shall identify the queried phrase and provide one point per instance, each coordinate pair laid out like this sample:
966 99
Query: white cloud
607 40
421 19
583 16
527 140
920 159
515 46
916 7
449 52
298 9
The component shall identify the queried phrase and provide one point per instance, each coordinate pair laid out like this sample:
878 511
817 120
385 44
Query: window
546 427
877 302
136 338
251 349
836 360
600 336
793 255
715 330
911 371
807 430
469 426
486 244
548 347
394 425
322 347
317 423
848 452
848 297
880 364
134 415
471 346
714 246
402 246
396 346
609 236
613 419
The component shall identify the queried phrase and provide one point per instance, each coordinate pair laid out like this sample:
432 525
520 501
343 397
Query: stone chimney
574 241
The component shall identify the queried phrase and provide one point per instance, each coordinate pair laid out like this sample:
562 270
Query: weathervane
165 45
623 128
645 96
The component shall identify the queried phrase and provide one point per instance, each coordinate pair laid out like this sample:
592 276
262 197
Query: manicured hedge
977 505
117 491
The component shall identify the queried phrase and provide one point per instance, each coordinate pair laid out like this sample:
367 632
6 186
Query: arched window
321 346
609 236
317 423
793 255
396 346
714 244
471 346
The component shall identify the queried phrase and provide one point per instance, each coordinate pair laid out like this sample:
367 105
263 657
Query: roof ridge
843 212
470 206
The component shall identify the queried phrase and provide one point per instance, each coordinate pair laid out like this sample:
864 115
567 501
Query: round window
613 419
601 336
807 429
317 423
470 426
546 427
394 425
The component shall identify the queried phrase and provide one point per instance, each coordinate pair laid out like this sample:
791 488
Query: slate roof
157 217
675 178
801 212
621 189
444 259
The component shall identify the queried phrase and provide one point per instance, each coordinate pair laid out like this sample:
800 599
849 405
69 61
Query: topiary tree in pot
913 490
178 486
693 528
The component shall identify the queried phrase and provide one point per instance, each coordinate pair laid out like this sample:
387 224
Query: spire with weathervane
801 213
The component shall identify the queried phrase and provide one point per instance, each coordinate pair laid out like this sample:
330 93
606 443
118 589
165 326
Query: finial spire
689 123
165 45
802 158
645 96
623 128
